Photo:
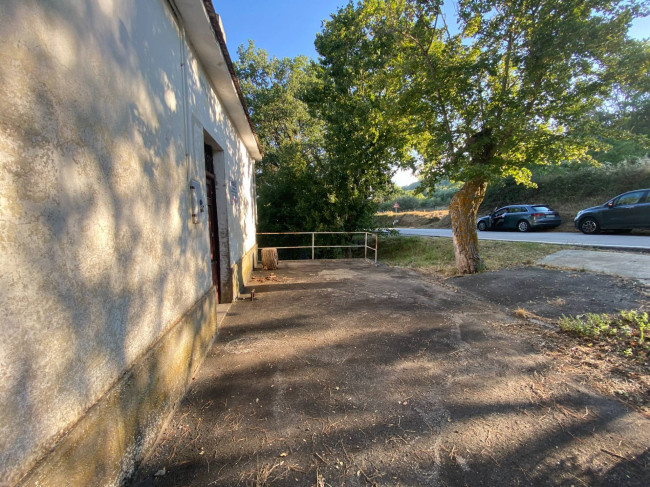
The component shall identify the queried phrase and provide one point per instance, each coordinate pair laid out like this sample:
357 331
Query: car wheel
482 226
589 226
523 226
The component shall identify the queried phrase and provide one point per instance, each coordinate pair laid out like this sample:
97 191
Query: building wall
99 259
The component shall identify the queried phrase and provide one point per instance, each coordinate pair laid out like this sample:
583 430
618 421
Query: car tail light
537 215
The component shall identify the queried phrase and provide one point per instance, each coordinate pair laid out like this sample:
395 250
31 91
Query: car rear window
542 208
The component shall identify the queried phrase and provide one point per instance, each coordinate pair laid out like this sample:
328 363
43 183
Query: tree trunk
463 208
270 258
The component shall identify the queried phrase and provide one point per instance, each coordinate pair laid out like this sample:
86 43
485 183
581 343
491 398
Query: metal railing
313 245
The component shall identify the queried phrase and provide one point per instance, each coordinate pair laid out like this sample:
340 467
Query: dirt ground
348 374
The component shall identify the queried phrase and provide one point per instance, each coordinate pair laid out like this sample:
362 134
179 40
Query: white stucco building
127 212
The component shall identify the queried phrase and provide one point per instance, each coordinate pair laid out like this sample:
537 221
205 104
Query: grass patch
626 332
437 254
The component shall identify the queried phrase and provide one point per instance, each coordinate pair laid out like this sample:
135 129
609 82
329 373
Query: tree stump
270 258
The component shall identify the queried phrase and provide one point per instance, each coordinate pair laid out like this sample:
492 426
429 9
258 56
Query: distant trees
412 197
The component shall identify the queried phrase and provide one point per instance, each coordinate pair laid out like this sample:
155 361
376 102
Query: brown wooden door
213 226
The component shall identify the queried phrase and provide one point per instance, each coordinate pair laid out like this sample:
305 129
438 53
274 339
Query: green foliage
625 112
507 91
291 194
314 175
588 325
361 140
638 320
412 201
411 186
626 331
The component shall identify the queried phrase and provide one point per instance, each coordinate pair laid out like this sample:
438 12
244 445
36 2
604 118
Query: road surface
561 238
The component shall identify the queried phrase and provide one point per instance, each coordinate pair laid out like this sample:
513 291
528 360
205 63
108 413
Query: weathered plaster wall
99 257
235 180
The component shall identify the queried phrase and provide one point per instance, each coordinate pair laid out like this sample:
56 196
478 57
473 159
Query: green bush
637 320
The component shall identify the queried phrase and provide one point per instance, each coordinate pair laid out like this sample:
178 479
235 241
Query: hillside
566 191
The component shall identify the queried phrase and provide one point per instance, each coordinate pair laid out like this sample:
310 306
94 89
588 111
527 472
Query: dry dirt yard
347 374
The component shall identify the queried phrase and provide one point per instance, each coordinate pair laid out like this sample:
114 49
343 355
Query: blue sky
284 28
287 28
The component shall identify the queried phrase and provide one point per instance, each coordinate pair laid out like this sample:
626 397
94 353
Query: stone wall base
242 270
106 444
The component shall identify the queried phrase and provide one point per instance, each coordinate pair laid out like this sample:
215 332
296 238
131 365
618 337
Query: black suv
622 213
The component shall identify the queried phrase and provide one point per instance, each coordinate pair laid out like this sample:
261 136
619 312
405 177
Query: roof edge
217 28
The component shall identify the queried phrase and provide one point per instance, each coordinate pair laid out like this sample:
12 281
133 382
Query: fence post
365 247
313 235
376 246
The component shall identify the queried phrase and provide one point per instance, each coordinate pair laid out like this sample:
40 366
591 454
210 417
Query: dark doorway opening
213 226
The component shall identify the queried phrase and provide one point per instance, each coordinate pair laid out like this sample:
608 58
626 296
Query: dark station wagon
622 213
520 217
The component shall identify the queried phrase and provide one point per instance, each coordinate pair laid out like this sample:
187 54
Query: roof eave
203 29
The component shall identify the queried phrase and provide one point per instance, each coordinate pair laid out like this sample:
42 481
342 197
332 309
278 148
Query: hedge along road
560 238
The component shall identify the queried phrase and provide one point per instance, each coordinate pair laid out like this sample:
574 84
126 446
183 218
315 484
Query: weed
588 325
521 313
263 475
625 332
638 320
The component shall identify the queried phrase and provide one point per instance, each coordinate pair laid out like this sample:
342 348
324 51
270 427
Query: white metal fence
365 245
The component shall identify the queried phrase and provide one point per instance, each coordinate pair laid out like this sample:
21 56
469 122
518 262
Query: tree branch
438 95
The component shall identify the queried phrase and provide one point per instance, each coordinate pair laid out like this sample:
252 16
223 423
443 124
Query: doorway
213 224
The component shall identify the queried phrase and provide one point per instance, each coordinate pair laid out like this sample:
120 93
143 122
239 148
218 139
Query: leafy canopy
507 88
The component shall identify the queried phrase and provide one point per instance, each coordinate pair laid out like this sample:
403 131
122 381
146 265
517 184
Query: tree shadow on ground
380 393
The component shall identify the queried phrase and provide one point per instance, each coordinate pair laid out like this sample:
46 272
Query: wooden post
270 258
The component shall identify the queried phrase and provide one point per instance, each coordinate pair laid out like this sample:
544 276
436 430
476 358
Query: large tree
363 144
505 88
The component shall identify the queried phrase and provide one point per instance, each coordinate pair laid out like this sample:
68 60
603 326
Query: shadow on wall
96 235
237 177
239 201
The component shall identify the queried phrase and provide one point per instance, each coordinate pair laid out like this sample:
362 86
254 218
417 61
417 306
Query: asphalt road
561 238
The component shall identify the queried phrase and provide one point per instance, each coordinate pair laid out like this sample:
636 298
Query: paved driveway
561 238
348 374
624 264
